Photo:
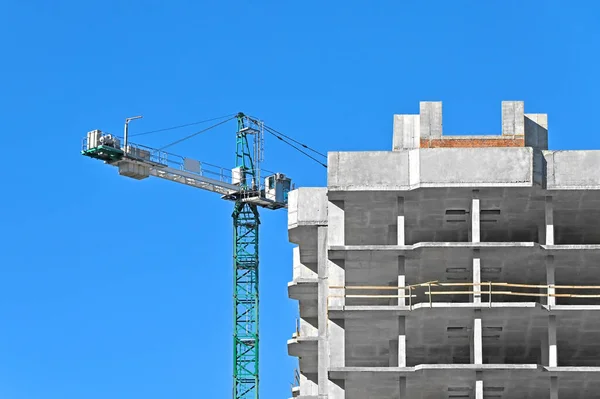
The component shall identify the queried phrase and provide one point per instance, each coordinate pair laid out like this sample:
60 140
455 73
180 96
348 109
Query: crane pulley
241 184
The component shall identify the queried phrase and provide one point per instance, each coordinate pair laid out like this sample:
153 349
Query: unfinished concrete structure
450 267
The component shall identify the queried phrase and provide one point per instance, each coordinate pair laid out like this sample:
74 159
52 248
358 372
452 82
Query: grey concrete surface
389 219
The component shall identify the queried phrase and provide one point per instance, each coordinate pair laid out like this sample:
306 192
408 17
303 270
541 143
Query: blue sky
115 288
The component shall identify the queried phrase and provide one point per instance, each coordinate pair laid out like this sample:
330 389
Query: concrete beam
549 210
513 118
431 119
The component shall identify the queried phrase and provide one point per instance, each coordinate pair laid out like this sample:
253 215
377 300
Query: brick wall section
473 143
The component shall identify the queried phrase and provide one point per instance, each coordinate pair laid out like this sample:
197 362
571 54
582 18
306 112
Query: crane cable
280 136
275 132
195 134
180 126
268 130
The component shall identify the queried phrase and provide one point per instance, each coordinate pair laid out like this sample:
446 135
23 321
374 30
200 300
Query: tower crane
242 185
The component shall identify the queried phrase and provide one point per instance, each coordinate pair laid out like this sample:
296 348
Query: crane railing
432 289
160 158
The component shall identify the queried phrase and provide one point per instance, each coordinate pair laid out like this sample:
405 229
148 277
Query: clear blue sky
113 288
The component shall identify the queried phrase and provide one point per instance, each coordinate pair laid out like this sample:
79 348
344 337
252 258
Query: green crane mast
245 274
242 186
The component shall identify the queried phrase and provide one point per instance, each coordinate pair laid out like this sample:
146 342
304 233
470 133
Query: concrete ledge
345 372
301 346
352 311
338 251
302 289
565 370
589 247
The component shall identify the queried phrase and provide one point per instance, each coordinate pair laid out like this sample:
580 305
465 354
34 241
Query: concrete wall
572 170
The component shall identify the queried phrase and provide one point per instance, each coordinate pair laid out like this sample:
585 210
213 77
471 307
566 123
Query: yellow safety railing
432 288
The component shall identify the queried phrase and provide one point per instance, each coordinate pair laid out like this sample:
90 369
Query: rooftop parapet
425 129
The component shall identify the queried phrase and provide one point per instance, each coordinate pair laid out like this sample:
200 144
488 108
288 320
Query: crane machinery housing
241 185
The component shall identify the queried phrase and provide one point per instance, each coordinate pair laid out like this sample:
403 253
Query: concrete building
450 267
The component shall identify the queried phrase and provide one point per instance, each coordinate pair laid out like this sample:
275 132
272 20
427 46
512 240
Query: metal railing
435 288
171 160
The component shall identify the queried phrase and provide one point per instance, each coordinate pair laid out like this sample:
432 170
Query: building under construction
450 267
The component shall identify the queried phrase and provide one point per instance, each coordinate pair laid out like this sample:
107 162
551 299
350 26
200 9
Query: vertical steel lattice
245 260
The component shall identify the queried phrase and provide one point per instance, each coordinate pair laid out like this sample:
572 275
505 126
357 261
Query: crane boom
242 185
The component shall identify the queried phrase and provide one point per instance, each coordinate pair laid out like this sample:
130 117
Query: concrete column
475 222
323 288
549 221
478 385
476 276
407 132
400 232
513 118
550 274
402 281
401 341
477 338
553 387
332 339
402 388
552 349
336 223
430 119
